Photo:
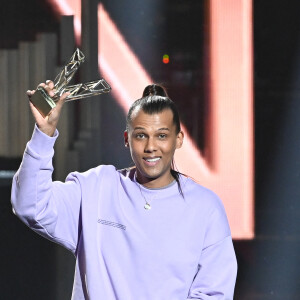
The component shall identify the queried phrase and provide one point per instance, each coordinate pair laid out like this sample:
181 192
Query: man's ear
126 138
179 141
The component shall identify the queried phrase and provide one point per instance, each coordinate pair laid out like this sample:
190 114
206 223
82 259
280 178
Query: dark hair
155 90
155 100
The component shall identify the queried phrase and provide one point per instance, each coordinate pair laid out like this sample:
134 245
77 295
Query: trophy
44 103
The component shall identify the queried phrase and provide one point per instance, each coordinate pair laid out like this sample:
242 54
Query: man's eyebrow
159 129
164 128
137 128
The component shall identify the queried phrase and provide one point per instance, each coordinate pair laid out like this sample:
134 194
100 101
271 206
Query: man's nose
150 145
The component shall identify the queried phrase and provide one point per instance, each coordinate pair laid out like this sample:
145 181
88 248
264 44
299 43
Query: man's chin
148 176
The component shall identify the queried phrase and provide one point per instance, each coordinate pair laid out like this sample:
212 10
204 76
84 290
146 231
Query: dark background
269 264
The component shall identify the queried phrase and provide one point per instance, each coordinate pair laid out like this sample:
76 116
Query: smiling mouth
152 161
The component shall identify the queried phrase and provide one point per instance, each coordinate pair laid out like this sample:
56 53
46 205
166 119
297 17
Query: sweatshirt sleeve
52 209
217 267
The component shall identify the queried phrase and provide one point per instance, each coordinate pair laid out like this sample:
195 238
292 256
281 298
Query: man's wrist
41 143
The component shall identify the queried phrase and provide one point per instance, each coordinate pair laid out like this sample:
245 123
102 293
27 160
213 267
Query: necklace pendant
147 206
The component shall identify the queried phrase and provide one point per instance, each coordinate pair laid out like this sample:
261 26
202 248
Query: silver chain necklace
147 205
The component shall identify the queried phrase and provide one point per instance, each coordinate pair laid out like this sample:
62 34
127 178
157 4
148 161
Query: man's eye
162 136
140 136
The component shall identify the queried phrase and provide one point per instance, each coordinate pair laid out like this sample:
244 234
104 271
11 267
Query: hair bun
155 90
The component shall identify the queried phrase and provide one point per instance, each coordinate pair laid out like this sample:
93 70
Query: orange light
166 59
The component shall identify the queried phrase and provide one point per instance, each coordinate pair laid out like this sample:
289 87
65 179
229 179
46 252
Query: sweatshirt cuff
41 143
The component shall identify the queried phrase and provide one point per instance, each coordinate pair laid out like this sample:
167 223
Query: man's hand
49 123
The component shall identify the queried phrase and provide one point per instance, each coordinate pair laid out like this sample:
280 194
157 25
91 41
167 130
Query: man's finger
49 90
29 93
41 84
61 100
50 84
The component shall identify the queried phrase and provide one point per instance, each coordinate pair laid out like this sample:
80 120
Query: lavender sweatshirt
180 249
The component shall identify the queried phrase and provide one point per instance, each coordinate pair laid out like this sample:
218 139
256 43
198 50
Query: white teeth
153 159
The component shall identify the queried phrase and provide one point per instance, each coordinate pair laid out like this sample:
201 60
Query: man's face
152 140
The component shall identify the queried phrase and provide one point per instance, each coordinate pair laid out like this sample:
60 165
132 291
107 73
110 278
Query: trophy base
42 101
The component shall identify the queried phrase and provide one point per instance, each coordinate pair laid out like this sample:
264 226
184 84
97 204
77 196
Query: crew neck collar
154 189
